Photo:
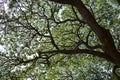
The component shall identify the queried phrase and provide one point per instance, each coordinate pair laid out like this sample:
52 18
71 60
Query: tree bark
103 34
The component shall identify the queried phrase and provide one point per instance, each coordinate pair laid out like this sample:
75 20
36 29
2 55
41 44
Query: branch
103 34
71 2
80 51
51 37
68 52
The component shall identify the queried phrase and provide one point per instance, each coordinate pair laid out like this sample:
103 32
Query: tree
39 34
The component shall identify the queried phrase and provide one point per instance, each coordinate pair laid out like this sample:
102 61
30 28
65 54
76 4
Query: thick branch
71 2
80 51
103 34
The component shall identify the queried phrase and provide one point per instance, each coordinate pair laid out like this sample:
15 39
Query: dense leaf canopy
45 40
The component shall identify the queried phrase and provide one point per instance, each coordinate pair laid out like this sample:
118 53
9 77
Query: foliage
32 29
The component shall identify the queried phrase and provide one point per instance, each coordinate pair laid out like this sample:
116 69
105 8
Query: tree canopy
60 40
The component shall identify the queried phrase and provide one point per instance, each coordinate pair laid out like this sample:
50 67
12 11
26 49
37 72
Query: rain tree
60 40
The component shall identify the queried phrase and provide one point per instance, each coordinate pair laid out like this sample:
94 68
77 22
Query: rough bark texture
104 35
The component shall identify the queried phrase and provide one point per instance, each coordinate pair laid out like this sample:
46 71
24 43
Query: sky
2 48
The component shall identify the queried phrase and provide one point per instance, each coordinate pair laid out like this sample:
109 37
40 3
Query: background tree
69 41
